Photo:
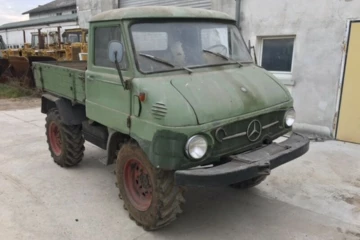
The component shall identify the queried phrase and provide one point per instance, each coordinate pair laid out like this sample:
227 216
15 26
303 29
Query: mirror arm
124 83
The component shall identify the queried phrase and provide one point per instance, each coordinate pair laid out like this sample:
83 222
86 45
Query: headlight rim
286 115
188 144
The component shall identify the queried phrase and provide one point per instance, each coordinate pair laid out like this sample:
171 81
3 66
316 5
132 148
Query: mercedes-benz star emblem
254 130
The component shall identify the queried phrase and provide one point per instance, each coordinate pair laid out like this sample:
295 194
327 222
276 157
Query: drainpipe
237 12
59 36
7 37
119 3
24 36
41 40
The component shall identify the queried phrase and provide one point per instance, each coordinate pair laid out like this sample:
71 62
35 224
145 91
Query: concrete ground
315 197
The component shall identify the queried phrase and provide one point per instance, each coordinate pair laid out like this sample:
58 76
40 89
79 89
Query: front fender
70 114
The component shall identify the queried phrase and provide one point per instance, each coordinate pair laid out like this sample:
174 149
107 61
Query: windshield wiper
156 59
222 56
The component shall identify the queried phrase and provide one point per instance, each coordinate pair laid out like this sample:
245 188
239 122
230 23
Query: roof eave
46 10
41 22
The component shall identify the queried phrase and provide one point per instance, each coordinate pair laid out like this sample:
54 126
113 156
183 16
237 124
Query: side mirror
116 51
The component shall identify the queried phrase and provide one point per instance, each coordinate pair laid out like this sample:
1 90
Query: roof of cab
159 12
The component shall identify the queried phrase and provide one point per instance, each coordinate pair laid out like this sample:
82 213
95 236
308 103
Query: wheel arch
115 140
71 114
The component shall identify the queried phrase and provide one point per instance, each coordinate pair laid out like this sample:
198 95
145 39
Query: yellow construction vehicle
75 42
44 47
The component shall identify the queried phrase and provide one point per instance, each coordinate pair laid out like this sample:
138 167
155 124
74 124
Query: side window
103 36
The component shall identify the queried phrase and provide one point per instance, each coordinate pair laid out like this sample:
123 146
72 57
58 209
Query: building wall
63 11
320 31
89 8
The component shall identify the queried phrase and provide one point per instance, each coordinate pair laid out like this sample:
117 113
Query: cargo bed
66 79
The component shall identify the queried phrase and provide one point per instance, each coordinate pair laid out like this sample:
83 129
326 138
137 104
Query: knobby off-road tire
149 194
249 183
66 143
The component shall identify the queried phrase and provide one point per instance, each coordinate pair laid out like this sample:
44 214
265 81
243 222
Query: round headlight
290 116
196 147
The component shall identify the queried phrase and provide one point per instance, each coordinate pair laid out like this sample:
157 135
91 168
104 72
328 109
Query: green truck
174 97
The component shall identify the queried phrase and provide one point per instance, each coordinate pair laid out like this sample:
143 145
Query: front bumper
247 165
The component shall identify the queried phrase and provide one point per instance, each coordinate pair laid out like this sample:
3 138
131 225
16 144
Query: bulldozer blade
19 66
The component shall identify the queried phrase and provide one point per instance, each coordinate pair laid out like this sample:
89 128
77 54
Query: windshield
72 37
174 45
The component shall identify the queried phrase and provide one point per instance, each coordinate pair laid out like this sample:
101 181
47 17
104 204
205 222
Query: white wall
51 14
63 11
320 28
89 8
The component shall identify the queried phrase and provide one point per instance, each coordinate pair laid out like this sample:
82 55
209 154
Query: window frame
166 20
104 68
284 76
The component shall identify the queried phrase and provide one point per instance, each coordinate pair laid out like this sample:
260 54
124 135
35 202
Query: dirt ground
19 103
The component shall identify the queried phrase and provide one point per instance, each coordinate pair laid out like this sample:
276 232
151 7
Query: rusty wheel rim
137 184
55 138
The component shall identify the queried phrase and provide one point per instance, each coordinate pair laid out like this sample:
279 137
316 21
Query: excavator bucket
4 64
19 66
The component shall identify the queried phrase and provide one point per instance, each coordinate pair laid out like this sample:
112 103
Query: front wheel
149 194
249 183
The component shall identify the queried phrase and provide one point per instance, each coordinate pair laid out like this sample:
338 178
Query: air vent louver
159 110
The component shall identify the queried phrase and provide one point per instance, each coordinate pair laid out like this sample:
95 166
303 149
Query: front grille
233 137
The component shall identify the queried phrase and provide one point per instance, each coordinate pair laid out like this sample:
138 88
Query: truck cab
175 98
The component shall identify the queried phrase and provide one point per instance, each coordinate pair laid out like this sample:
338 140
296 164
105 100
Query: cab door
107 102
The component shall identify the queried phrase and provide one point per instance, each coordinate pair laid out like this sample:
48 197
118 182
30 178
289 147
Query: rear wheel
249 183
66 143
149 194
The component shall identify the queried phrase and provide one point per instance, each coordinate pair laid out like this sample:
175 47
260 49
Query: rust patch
159 12
20 65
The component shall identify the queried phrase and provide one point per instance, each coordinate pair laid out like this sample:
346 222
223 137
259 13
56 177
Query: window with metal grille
277 54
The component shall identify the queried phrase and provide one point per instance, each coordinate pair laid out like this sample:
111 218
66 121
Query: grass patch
14 91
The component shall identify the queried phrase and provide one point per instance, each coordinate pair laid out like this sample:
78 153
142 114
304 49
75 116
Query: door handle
90 77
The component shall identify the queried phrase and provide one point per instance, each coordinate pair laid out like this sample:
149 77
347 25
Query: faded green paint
178 105
200 88
62 81
159 12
